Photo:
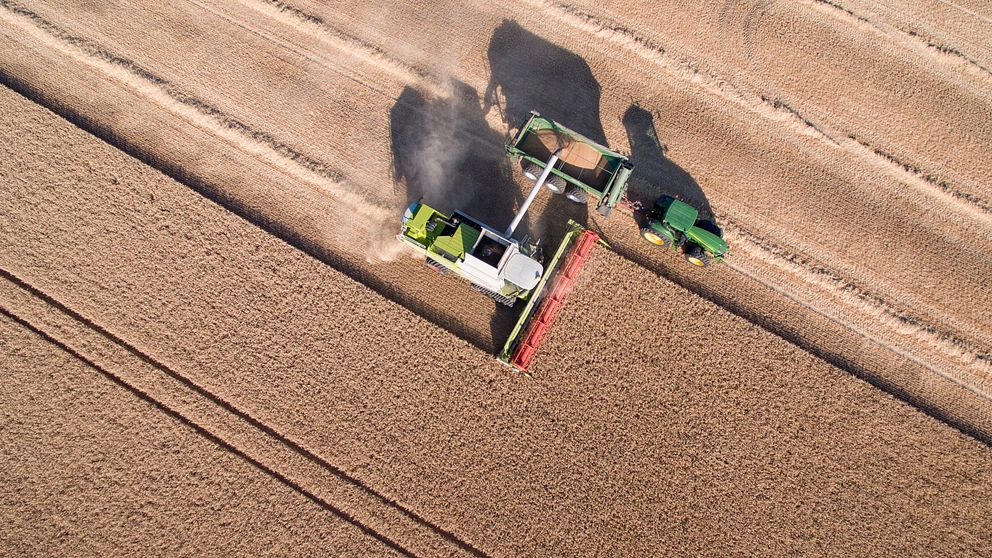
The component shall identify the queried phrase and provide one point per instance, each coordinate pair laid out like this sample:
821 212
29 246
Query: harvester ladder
547 311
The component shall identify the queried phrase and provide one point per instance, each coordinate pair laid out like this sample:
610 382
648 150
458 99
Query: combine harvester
508 269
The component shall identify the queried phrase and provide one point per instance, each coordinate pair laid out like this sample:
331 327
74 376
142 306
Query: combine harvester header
539 313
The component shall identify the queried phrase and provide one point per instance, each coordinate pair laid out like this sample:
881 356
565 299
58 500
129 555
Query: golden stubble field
233 357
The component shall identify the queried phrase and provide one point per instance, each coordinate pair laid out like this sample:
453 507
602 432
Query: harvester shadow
443 154
654 173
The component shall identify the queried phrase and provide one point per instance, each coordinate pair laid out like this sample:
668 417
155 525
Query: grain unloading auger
508 269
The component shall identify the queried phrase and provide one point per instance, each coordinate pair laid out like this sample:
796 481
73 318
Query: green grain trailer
583 169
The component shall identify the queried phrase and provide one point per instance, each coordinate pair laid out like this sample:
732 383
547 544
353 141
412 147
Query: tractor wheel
576 194
556 184
696 256
532 171
649 234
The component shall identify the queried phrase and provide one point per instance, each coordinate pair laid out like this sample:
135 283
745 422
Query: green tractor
675 224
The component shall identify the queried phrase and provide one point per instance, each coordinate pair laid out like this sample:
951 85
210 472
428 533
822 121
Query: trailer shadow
527 72
530 73
654 173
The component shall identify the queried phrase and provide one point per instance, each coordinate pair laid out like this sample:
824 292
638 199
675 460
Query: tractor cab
678 215
675 224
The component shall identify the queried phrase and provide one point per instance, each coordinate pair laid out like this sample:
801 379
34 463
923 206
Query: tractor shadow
445 153
654 173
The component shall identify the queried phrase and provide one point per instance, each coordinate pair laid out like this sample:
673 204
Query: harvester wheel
556 184
649 234
576 194
440 269
696 256
532 171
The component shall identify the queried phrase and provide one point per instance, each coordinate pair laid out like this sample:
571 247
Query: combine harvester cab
584 168
675 224
496 265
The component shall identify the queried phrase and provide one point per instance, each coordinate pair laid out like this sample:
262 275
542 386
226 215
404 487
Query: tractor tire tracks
855 297
160 91
911 39
767 106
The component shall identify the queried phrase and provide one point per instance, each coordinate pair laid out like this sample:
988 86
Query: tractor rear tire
556 184
576 194
532 171
649 234
696 256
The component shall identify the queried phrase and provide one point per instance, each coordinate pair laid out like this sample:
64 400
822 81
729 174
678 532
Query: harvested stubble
631 440
89 469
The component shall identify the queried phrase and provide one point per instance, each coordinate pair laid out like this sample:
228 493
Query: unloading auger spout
533 194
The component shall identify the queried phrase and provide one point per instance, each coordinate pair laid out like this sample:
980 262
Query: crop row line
194 405
767 107
941 51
